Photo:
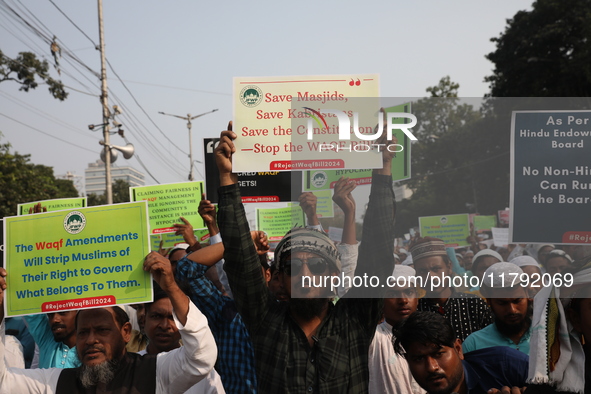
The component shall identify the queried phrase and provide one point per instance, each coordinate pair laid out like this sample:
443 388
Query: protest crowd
225 318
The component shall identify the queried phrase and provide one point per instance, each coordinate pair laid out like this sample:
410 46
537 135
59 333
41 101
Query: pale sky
180 57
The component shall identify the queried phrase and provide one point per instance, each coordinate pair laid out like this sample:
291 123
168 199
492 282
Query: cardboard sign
75 259
271 112
52 205
550 177
166 203
452 229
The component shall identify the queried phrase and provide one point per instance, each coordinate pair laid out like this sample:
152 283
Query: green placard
74 259
155 242
58 204
326 179
278 221
452 229
169 240
166 203
324 204
484 223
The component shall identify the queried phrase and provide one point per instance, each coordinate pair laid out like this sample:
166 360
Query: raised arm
181 368
308 203
376 252
348 248
241 259
344 199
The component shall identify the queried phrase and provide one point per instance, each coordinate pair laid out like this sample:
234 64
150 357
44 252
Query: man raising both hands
307 344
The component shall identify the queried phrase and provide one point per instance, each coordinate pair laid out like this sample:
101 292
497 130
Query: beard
308 308
514 329
102 373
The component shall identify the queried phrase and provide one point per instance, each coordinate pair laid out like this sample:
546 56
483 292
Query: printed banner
169 240
278 221
550 177
70 260
326 179
255 187
166 203
452 229
270 111
58 204
484 222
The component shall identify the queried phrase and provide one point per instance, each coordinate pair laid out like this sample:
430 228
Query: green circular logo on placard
319 179
74 222
251 96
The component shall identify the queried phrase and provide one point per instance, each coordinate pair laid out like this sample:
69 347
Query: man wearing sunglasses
308 344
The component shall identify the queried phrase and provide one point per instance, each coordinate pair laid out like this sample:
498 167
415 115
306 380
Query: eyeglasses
316 265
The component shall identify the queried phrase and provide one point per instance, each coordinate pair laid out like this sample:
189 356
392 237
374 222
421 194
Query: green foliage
25 70
544 52
120 194
22 182
460 163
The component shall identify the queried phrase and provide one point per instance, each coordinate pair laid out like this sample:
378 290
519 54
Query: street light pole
189 118
105 103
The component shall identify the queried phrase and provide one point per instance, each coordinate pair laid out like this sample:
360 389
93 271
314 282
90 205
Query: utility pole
189 118
105 103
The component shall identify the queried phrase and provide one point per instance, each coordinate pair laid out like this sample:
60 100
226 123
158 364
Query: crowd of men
225 319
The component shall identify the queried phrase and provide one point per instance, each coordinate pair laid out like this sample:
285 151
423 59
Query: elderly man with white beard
101 336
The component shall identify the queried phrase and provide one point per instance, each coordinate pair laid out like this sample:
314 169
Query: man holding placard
106 366
307 344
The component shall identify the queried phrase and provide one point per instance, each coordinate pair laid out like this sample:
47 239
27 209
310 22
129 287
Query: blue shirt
235 362
494 367
52 354
490 336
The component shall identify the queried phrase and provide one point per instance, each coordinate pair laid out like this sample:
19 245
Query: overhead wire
142 108
142 163
117 75
43 114
47 134
18 16
74 24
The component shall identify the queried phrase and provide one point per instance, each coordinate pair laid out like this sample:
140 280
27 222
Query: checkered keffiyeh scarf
556 355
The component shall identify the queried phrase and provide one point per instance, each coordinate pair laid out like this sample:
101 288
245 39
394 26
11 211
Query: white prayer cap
406 272
522 261
501 275
181 246
402 250
487 252
403 270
